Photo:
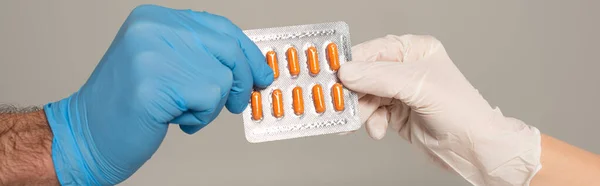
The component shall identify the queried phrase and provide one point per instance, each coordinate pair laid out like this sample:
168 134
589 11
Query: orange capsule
272 62
293 65
333 57
277 103
256 104
313 60
298 101
337 92
318 99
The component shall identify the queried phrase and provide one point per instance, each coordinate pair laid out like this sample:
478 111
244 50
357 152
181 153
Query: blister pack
306 97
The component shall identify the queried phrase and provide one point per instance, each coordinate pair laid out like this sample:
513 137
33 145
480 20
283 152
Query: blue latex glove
164 66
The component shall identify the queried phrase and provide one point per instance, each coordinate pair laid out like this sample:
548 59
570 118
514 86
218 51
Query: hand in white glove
411 85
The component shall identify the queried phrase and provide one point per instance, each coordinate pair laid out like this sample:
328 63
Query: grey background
535 59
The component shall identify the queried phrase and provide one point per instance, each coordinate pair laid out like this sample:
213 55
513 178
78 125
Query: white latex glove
410 84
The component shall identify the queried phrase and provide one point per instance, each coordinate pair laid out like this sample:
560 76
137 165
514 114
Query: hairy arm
564 164
25 148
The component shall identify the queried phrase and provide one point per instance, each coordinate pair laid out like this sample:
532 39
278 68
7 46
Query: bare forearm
25 149
564 164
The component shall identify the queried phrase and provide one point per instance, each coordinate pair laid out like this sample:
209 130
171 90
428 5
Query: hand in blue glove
164 66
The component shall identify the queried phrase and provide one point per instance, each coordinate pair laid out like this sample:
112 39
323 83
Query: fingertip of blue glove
266 79
191 129
237 108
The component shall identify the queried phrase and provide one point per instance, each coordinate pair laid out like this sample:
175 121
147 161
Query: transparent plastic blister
291 123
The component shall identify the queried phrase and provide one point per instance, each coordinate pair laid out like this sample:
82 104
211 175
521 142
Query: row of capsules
294 70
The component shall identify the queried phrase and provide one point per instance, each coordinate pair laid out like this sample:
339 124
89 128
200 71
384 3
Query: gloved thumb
384 79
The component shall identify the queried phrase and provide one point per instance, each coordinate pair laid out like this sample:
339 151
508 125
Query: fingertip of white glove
377 124
375 133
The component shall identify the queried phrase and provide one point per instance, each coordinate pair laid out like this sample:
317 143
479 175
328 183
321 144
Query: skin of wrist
25 149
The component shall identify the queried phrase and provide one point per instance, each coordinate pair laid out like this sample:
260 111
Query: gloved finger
207 116
367 105
202 97
227 51
199 104
203 116
383 79
261 72
399 113
188 118
242 77
377 124
191 129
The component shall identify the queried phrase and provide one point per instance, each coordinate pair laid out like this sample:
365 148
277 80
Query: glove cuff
69 162
508 156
